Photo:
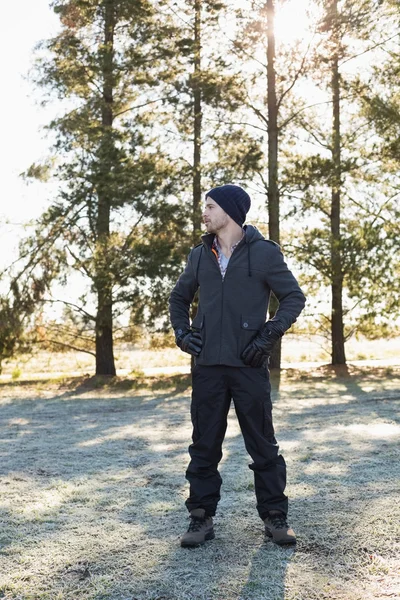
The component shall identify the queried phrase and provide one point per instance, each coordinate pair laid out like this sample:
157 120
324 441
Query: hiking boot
277 528
200 529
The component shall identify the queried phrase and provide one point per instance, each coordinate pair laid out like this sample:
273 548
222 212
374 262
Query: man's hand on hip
190 341
257 352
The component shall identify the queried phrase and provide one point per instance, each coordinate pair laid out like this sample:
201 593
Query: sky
23 24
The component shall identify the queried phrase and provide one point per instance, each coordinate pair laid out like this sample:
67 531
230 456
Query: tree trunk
197 125
338 351
273 191
105 364
197 132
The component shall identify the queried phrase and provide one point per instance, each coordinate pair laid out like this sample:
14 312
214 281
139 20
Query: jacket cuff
180 334
276 326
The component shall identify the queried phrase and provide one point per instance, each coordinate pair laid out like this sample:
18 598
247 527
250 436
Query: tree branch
239 123
296 76
118 114
78 308
378 214
294 115
68 346
368 49
258 112
315 137
79 263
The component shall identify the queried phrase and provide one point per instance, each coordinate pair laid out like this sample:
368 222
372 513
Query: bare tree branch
71 347
369 49
257 111
78 308
303 108
239 123
142 105
296 76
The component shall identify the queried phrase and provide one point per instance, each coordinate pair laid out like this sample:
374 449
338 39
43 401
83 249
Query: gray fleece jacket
232 310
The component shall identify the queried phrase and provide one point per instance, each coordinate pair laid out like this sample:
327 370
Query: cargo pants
214 387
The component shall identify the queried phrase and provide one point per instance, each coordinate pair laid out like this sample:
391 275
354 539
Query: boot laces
278 521
196 523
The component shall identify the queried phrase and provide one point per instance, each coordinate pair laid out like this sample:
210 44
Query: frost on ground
92 491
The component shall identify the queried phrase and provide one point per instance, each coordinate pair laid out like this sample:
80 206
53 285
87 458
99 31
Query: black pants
213 389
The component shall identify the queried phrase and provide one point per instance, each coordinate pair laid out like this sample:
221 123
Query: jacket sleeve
285 287
182 296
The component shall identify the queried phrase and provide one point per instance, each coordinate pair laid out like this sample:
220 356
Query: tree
333 24
208 97
13 316
276 110
380 106
273 203
17 307
345 252
114 220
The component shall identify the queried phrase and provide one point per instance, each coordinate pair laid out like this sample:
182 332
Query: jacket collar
208 238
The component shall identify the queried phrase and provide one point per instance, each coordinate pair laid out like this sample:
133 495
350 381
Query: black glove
257 352
190 341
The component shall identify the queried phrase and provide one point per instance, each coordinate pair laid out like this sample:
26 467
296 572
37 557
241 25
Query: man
235 270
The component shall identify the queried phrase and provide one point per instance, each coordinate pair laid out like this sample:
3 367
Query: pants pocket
195 421
249 327
268 428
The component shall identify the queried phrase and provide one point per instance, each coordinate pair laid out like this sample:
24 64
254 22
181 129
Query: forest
161 100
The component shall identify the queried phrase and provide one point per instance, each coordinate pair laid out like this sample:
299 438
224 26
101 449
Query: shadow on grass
84 383
113 468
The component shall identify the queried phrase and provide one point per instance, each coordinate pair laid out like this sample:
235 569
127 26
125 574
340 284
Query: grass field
134 359
92 491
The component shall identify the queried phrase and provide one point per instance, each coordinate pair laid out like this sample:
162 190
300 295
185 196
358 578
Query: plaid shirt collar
223 264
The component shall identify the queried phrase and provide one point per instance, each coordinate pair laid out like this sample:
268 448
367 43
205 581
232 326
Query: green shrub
16 373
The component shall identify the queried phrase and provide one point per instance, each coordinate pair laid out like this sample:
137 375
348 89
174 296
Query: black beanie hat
233 199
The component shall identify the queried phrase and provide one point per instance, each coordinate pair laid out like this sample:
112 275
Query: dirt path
92 491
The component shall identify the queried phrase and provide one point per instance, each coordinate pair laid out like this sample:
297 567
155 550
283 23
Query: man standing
235 270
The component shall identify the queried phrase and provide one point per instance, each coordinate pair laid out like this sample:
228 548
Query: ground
92 491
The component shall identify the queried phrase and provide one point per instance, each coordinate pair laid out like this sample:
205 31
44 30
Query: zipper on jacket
215 260
222 300
222 313
222 290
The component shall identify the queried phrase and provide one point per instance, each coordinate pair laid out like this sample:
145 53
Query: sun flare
294 20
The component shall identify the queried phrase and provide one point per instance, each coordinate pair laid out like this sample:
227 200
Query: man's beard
217 225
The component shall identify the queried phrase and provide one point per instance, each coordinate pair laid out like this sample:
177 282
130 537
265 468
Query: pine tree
380 106
114 221
201 117
279 68
204 110
381 97
26 289
344 251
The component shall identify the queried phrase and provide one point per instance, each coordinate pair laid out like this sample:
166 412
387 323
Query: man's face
214 217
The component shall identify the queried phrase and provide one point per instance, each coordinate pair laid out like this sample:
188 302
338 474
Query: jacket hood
252 234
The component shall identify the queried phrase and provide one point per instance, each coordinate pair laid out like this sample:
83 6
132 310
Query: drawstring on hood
198 263
248 259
